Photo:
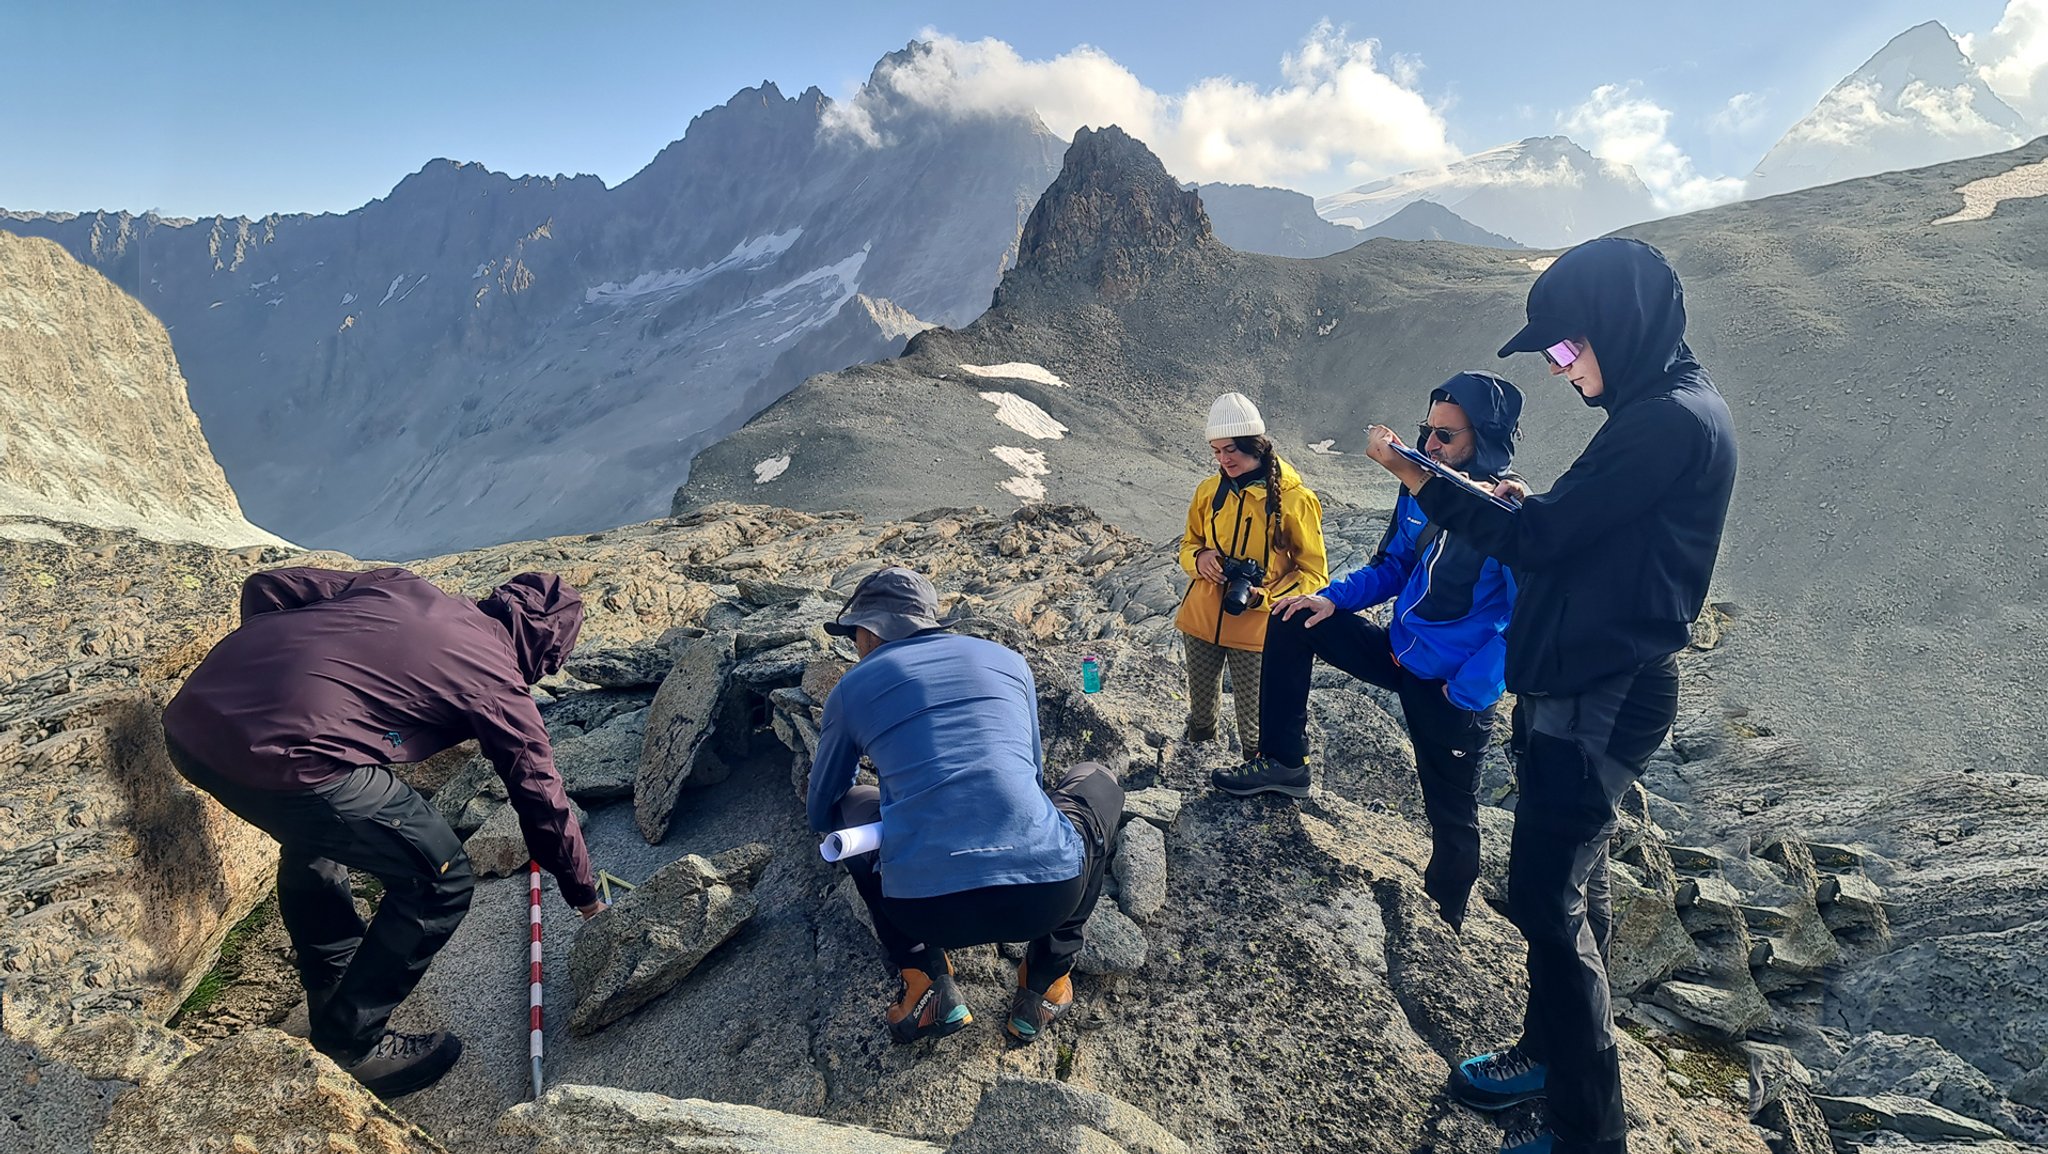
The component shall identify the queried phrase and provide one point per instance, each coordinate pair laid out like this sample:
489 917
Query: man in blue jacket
973 848
1614 563
1442 653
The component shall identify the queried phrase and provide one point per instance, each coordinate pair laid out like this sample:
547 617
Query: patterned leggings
1205 688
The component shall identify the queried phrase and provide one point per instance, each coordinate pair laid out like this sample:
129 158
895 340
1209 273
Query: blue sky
202 108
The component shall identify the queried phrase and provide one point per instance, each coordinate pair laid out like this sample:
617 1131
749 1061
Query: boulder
1140 868
470 797
257 1091
1650 943
498 849
603 1120
1113 943
1796 1124
1725 1013
601 764
655 934
622 666
1157 805
682 717
1900 1114
1876 1064
1941 988
1034 1116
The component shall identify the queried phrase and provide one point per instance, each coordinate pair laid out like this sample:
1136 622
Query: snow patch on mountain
748 254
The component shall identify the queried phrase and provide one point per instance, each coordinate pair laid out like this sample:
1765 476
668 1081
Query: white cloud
1339 109
1951 112
1847 115
1616 125
2013 59
1855 115
1743 113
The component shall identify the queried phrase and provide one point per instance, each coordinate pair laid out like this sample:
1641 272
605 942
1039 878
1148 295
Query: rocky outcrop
652 937
119 881
1111 219
1030 1116
602 1120
1191 1017
98 428
257 1091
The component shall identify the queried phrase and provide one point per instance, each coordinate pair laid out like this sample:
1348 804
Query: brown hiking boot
930 1008
1031 1012
404 1063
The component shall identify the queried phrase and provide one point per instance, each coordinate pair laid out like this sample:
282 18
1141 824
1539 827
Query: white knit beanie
1234 415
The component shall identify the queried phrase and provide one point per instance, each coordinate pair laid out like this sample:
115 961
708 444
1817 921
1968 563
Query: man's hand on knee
1317 607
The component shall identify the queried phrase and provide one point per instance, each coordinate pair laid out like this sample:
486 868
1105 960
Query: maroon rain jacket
332 670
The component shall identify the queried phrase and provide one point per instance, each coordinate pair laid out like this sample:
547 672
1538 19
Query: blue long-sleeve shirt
951 724
1451 605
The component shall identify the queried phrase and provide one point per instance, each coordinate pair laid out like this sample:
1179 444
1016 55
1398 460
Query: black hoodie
1614 561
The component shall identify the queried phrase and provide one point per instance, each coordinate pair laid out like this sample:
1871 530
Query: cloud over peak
1340 106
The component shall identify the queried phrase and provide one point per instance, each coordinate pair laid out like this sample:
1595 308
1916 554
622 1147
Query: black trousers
916 932
1450 743
373 822
1582 753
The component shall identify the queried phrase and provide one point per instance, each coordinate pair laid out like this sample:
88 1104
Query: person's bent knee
1545 922
450 890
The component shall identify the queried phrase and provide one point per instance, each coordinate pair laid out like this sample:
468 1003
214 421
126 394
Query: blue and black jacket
1451 601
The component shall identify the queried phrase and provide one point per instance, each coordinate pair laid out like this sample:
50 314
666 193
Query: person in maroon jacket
291 722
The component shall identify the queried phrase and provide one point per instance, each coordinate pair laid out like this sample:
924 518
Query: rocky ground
1268 976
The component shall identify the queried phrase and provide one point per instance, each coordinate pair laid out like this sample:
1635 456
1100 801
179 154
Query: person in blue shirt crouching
974 850
1442 651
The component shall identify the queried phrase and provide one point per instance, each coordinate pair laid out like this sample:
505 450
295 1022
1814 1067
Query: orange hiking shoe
1031 1012
930 1008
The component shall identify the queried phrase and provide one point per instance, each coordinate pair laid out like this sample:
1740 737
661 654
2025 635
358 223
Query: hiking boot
402 1063
1031 1012
1198 733
930 1008
1534 1138
1262 774
1498 1080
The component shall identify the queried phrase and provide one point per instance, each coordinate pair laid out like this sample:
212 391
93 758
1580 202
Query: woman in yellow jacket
1253 529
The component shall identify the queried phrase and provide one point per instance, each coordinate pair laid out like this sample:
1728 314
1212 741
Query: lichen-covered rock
603 1120
678 723
655 934
259 1091
1140 868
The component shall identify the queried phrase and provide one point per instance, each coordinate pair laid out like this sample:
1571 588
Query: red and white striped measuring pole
533 918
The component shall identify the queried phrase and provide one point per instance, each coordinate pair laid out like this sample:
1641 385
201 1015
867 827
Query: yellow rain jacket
1238 523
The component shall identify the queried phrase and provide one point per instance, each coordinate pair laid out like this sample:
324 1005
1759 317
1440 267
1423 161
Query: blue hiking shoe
1498 1080
1536 1139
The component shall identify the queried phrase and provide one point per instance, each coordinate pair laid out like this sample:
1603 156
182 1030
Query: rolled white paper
848 842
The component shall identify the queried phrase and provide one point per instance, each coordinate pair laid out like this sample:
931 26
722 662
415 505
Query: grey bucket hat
891 603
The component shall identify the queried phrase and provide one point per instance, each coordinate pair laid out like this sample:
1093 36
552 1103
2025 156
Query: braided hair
1261 446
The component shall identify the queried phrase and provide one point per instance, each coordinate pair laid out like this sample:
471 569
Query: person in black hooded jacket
1613 565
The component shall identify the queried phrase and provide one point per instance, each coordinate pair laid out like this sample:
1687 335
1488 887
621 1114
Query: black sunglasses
1442 433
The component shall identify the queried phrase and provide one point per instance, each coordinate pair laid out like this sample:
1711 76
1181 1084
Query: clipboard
1452 475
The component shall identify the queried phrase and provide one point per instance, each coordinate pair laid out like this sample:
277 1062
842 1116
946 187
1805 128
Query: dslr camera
1241 579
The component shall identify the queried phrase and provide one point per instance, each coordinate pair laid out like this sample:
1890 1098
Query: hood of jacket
1494 407
1623 297
544 617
